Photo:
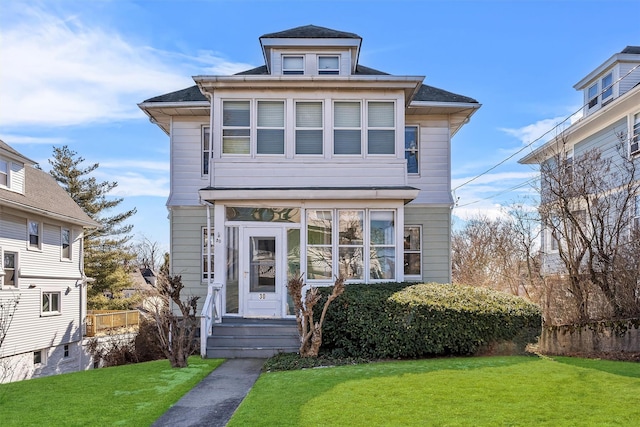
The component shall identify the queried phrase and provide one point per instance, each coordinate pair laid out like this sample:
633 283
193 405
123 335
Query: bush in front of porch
406 320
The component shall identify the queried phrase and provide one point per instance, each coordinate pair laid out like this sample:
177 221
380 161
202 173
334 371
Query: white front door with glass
263 278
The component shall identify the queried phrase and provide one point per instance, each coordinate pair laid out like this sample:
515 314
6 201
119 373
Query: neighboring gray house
611 113
310 164
41 230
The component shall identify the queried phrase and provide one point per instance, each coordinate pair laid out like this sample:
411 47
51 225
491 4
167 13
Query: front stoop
245 338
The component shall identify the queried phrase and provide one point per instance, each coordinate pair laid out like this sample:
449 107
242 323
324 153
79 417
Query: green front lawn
483 391
130 395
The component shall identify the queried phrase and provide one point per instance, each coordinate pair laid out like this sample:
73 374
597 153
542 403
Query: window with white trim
10 269
592 94
636 213
329 65
382 258
347 132
65 243
38 357
351 244
607 88
34 237
50 302
236 127
381 131
206 241
292 65
4 173
319 244
206 149
411 150
309 128
270 129
412 251
635 135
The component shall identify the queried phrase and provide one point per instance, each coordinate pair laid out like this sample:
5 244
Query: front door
262 272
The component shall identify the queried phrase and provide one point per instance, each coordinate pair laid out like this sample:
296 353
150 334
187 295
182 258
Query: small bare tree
176 333
310 331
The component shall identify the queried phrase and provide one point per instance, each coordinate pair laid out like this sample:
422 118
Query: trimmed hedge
403 320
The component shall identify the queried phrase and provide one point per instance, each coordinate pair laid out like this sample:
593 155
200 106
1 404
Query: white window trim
413 251
361 128
50 312
43 358
40 235
593 101
417 149
7 174
605 100
205 136
328 71
251 128
254 125
294 71
297 128
62 257
368 127
204 275
16 270
634 132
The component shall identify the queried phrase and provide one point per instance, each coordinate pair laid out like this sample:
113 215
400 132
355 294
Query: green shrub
402 320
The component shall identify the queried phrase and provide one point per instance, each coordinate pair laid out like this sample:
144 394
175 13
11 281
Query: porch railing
99 321
211 313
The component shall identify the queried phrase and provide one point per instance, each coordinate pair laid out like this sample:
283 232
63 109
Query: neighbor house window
236 130
413 250
592 94
347 133
383 246
635 139
10 266
319 244
50 302
351 244
66 351
328 65
309 134
4 173
34 234
206 150
207 240
381 134
270 127
411 151
292 65
636 213
607 88
66 243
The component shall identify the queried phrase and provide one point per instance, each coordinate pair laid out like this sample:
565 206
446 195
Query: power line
515 187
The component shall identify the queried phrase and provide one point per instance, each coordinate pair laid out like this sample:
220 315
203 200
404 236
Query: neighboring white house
611 117
41 230
310 164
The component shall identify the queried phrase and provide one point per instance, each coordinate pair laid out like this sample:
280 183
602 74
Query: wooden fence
103 321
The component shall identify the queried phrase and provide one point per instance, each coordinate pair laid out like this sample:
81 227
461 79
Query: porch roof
405 193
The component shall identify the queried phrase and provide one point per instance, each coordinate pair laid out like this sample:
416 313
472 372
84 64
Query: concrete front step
236 337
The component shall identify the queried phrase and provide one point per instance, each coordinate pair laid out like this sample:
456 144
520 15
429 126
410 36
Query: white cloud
58 71
14 139
543 130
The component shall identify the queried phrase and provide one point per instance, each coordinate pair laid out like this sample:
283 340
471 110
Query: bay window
319 244
347 133
236 127
270 127
381 134
382 247
351 244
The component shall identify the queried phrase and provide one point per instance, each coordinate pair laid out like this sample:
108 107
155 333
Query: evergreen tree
107 255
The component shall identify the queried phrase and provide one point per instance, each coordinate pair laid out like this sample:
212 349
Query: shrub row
401 320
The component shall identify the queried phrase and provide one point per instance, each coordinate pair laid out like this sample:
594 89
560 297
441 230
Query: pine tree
107 254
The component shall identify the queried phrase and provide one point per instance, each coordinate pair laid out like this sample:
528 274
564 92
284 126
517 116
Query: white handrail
211 313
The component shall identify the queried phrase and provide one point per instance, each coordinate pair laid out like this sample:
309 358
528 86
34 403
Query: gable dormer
312 51
12 165
611 80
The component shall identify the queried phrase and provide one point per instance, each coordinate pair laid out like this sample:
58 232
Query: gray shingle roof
8 148
433 94
189 94
631 49
42 193
310 32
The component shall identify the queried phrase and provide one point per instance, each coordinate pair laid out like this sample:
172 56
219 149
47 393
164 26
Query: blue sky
73 72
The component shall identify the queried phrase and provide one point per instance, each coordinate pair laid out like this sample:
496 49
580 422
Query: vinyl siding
186 160
628 82
436 240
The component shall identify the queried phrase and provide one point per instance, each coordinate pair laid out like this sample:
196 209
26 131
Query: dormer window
329 65
607 88
593 95
4 173
292 65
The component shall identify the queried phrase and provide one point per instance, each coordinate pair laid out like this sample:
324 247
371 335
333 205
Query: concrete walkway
214 400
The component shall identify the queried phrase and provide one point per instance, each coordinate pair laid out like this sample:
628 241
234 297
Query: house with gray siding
311 164
41 231
610 123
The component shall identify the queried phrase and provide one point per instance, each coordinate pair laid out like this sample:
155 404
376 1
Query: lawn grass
482 391
130 395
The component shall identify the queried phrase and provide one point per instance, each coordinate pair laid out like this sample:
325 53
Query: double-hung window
236 127
411 151
347 132
413 251
635 132
319 244
382 259
292 65
207 241
34 236
329 65
4 173
270 127
10 266
309 133
607 88
50 302
592 94
381 134
206 149
65 243
351 244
